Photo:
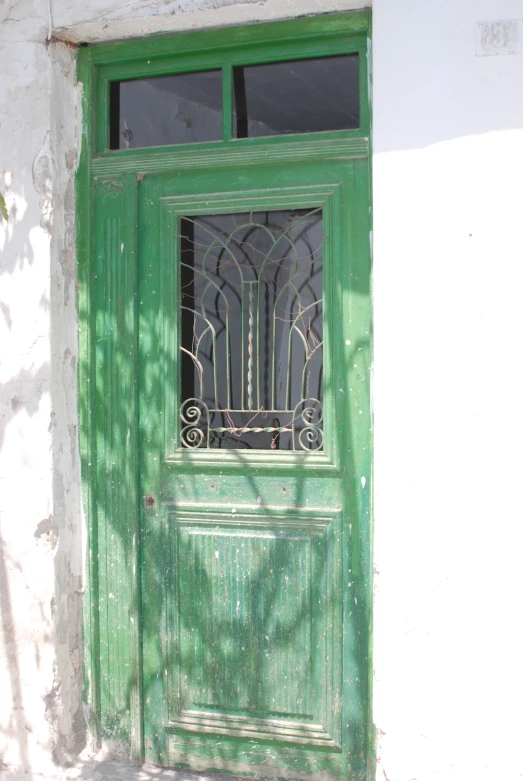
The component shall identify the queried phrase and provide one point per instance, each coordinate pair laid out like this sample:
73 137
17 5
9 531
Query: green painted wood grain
129 389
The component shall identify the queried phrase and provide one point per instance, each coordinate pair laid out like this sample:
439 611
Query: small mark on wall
499 37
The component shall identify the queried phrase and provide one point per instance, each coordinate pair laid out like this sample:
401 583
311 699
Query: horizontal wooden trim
281 767
312 465
163 159
247 727
200 515
332 25
215 58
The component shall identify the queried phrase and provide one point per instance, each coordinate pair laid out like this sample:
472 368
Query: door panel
254 625
250 643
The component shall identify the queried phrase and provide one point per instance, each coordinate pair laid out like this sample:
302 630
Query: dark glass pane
165 110
302 96
252 331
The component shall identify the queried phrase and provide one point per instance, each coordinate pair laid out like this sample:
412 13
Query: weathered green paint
247 585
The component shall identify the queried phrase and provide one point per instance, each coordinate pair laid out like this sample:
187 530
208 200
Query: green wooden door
251 654
225 343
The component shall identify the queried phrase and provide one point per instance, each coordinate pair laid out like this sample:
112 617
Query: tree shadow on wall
24 397
21 393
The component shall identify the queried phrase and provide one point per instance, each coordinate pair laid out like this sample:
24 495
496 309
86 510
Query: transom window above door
238 101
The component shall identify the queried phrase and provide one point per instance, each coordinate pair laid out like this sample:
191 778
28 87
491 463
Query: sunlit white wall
448 390
41 717
26 560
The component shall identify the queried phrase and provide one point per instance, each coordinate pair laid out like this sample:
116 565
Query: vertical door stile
117 508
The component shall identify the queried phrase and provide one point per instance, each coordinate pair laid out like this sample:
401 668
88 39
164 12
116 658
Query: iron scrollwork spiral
194 416
308 425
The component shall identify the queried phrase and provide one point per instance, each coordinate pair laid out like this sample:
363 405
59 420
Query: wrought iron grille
252 331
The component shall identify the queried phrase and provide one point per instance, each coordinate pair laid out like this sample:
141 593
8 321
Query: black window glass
300 96
252 331
179 109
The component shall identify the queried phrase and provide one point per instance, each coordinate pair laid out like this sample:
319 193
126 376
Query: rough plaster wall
40 532
448 276
26 507
101 20
69 719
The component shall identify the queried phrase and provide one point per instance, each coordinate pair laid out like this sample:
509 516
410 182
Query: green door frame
108 335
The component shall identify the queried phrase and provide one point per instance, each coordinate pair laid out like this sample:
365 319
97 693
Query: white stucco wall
448 163
41 715
448 271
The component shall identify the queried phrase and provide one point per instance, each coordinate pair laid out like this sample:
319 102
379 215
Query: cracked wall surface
111 20
27 655
448 164
41 718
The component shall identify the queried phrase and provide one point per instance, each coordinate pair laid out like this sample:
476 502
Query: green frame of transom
97 67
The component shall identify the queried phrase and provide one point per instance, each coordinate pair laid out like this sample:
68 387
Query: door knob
148 502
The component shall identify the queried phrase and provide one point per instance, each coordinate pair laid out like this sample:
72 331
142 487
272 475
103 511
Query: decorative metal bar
254 429
258 288
289 282
275 441
225 247
250 347
197 350
217 242
228 355
310 437
304 391
211 282
268 255
264 412
194 355
194 414
289 353
198 366
196 429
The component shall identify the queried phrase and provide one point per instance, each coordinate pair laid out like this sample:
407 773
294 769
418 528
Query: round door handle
148 502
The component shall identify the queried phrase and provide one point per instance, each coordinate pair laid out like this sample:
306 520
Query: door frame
107 279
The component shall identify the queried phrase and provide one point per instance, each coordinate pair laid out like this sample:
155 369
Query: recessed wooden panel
203 753
246 611
253 639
